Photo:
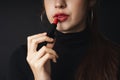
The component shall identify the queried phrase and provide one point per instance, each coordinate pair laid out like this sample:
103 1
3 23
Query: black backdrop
19 19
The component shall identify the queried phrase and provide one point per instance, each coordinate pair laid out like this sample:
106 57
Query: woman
79 51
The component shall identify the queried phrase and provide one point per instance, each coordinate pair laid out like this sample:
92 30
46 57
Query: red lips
61 17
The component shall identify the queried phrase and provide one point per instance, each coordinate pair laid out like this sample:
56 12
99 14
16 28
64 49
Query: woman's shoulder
20 51
18 67
18 56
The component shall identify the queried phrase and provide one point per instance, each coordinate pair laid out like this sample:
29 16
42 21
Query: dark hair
101 62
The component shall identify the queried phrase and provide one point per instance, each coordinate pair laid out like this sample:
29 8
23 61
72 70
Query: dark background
19 19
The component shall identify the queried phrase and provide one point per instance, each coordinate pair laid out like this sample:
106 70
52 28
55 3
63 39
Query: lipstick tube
51 32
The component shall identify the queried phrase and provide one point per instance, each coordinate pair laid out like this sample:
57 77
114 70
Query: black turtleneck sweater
71 49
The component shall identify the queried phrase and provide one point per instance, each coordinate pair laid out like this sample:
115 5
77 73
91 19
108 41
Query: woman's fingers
30 38
33 54
33 42
42 52
45 49
45 58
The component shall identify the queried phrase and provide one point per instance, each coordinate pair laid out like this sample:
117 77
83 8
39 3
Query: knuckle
48 56
29 38
45 38
44 47
28 60
34 41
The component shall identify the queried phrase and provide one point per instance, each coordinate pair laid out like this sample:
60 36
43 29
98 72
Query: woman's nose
60 4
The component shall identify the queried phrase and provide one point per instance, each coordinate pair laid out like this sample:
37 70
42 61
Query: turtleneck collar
73 39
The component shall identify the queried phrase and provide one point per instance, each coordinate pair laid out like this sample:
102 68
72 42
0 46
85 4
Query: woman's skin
76 10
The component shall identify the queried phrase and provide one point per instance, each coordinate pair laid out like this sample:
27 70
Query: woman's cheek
49 8
49 13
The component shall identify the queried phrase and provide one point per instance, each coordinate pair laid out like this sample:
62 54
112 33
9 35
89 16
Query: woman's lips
61 17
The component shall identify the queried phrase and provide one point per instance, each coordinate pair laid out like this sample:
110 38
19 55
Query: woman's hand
39 61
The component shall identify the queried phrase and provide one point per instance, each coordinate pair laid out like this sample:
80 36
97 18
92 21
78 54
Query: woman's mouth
61 17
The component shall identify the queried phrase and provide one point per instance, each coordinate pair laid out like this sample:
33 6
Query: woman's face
70 13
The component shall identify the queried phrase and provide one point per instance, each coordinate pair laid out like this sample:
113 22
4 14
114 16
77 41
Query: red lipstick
61 17
55 21
51 32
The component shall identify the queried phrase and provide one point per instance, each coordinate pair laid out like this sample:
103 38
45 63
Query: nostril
60 4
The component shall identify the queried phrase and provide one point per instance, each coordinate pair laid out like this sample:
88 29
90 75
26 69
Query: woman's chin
63 30
62 27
